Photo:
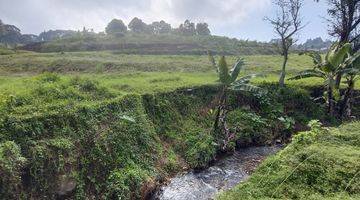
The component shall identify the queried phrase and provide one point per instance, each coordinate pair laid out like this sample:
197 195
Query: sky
242 19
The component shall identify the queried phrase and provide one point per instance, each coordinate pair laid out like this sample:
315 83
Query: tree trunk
220 125
345 110
330 97
338 81
283 70
220 108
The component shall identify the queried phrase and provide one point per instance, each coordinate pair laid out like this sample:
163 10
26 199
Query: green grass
110 62
318 164
140 82
110 66
132 73
122 74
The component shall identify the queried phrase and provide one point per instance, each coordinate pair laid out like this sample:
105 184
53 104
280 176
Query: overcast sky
234 18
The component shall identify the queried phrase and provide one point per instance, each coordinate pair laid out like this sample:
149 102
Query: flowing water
223 175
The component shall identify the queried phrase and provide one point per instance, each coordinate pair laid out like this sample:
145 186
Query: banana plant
229 80
327 69
351 72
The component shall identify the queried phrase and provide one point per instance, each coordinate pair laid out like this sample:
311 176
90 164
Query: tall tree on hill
187 28
202 29
344 18
161 27
138 26
56 34
286 23
116 26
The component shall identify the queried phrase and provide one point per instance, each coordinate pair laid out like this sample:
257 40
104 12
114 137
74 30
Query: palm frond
236 69
308 74
247 78
337 55
316 57
350 71
352 61
224 76
247 88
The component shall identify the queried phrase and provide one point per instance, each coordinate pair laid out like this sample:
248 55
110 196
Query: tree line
11 35
136 25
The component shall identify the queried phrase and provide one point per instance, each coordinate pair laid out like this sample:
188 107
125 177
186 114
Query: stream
223 175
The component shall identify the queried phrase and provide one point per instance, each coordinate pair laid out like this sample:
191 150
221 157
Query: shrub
48 77
250 128
309 137
201 149
51 160
11 165
125 183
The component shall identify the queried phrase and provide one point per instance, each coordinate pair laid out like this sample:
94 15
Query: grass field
132 73
137 73
122 74
111 62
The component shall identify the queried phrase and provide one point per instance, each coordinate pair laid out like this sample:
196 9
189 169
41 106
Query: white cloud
33 16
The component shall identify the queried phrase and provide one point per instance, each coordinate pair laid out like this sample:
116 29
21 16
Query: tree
202 29
56 34
327 69
138 26
187 28
286 24
160 27
229 81
116 26
344 18
351 72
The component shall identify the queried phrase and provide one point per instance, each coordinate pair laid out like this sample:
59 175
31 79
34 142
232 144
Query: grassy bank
318 164
71 137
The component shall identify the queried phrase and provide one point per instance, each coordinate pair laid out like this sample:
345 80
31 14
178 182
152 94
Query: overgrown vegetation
72 137
318 164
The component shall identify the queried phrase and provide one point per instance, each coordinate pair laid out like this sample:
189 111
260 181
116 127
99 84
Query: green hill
154 44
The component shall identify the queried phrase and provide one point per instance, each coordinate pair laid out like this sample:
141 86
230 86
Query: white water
223 175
